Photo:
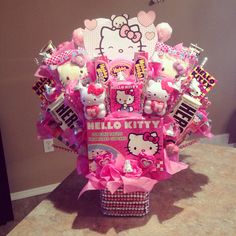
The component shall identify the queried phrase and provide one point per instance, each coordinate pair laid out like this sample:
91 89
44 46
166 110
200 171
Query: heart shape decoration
146 163
104 162
90 24
146 19
92 111
149 35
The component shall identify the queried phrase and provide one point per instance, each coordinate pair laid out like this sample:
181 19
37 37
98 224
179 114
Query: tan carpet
21 208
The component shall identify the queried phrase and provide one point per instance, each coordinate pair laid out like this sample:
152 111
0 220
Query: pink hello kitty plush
93 99
157 96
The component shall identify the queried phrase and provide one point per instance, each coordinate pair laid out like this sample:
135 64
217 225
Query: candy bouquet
126 103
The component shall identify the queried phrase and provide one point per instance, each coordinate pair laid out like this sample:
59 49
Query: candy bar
63 113
185 111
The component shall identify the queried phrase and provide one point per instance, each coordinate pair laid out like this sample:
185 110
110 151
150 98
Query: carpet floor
21 208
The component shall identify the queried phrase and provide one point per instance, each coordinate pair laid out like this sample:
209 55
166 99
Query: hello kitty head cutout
143 144
120 37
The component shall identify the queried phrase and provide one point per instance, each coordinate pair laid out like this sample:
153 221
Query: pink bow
103 159
129 92
92 89
148 137
126 31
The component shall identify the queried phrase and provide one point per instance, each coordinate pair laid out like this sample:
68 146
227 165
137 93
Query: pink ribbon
103 159
129 92
148 137
127 32
112 177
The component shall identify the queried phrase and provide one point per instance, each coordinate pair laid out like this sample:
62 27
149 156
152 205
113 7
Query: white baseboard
33 192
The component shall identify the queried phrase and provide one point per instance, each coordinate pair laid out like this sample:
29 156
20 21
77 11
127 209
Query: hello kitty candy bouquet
125 102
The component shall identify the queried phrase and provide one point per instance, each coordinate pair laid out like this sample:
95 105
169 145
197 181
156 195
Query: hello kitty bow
148 137
92 89
127 32
129 92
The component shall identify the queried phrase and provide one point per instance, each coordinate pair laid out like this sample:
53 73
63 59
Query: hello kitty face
155 92
169 70
118 21
195 91
120 43
123 97
101 33
143 144
69 72
92 95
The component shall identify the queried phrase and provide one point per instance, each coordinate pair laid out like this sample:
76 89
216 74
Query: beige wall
26 25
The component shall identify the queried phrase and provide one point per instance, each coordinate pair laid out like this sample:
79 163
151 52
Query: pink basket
124 204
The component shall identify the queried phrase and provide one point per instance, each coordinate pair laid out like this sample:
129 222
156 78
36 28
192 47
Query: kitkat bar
185 111
140 65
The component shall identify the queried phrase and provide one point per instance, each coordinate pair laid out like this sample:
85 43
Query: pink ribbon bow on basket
127 32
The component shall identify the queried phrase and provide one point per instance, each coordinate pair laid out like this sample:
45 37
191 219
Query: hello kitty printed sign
140 139
125 97
120 36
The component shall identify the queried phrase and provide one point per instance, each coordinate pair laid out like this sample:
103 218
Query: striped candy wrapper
124 204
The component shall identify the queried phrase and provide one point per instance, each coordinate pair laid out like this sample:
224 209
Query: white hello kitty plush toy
75 69
157 96
93 99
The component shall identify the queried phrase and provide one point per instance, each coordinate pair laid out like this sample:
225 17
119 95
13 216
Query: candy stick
195 49
140 65
102 70
204 61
